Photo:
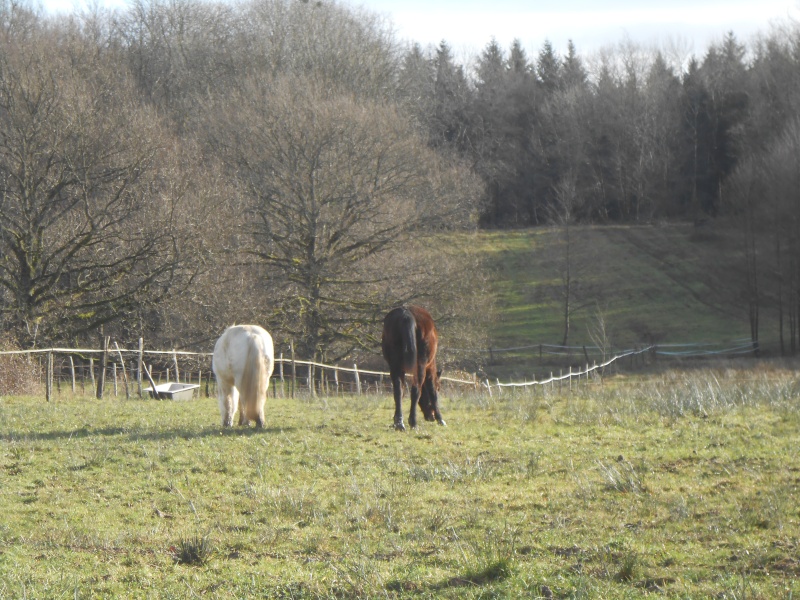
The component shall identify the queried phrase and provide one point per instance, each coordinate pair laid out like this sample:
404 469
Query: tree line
178 165
638 134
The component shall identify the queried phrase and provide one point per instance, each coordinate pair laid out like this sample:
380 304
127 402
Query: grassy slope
685 488
653 284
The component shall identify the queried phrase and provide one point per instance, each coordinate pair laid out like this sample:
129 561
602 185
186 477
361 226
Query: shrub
20 374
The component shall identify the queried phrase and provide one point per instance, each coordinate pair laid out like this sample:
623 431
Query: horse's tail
255 379
408 332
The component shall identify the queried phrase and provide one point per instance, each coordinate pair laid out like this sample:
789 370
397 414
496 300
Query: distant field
651 284
681 486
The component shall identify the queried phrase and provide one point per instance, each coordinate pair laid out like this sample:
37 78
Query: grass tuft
628 568
496 571
196 551
622 477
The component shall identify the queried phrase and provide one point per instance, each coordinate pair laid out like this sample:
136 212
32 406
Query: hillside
663 284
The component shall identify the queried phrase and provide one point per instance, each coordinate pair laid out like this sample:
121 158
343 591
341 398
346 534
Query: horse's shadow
133 434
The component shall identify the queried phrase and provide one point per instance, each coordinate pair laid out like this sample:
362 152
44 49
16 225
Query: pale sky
591 24
468 25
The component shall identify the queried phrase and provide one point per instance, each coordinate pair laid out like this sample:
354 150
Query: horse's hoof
442 423
399 426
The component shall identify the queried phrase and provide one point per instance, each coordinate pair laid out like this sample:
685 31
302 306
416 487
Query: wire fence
733 347
145 373
571 375
131 370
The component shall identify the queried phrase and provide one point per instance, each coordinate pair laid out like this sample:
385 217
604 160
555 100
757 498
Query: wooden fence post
280 367
175 363
139 363
358 379
114 373
156 393
294 368
124 373
49 377
312 385
323 384
101 381
72 372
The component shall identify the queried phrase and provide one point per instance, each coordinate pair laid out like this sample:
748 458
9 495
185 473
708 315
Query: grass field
669 284
680 486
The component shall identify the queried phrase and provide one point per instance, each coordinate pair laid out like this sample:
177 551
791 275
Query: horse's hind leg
416 389
412 414
259 414
397 389
228 397
433 398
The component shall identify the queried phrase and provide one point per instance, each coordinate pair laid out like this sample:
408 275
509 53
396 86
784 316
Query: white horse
243 362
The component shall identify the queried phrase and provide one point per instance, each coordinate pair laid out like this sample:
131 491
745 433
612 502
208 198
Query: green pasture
676 486
670 284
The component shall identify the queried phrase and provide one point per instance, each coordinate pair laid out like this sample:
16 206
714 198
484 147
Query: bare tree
598 330
571 261
339 193
563 215
328 42
783 179
178 50
744 190
86 218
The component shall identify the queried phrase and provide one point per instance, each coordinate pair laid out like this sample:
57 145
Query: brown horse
409 345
